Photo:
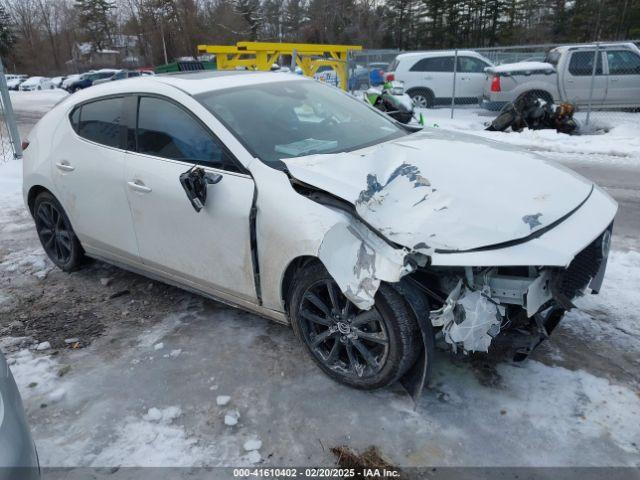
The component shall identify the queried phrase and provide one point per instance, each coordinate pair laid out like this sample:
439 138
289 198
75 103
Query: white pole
455 71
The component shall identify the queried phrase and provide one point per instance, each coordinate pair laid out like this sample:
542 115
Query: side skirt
217 296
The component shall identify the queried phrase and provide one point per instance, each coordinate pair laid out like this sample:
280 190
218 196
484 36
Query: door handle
138 186
65 166
428 78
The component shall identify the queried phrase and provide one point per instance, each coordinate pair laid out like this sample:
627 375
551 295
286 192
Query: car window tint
100 121
434 64
471 65
75 118
168 131
581 63
623 62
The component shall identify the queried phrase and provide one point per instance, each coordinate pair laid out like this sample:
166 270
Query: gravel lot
142 379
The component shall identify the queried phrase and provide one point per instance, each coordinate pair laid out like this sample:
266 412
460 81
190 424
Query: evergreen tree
250 11
7 38
94 19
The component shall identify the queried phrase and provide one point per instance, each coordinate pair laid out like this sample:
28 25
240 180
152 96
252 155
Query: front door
88 173
624 78
210 249
578 79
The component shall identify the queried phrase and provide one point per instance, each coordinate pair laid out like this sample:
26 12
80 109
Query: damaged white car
293 200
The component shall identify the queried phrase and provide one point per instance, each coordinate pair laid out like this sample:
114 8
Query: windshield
297 118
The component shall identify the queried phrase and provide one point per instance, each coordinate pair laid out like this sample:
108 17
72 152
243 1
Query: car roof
436 53
191 83
564 48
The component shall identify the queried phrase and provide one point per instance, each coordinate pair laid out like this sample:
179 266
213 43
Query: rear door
578 79
624 77
434 73
211 249
88 173
470 79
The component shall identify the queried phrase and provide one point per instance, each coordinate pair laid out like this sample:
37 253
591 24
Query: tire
56 235
335 337
422 98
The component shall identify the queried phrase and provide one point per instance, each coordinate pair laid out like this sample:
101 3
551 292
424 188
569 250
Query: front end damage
495 261
518 305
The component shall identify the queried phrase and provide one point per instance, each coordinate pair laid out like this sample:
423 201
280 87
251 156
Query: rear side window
581 63
433 64
471 65
623 62
168 131
100 121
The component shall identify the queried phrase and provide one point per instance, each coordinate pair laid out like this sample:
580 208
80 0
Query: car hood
445 191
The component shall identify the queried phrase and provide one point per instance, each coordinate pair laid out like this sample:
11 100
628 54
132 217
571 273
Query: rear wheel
363 349
422 98
56 235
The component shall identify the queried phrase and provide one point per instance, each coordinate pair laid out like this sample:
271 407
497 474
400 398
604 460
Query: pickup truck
565 76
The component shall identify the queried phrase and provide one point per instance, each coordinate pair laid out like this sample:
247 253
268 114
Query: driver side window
168 131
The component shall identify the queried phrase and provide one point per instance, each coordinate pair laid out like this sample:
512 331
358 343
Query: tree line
38 36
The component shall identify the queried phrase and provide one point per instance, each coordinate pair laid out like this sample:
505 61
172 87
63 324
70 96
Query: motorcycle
391 99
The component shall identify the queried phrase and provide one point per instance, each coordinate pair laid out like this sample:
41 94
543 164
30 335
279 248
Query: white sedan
36 83
291 199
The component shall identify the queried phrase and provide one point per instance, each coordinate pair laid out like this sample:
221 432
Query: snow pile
32 261
35 375
520 67
618 142
151 441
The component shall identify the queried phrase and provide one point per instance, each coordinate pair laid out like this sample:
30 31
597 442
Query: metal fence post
453 93
593 78
9 117
294 64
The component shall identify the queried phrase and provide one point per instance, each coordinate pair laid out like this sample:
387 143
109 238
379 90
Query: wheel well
296 264
33 193
421 89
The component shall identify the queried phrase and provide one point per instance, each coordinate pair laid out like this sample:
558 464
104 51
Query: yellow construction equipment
262 55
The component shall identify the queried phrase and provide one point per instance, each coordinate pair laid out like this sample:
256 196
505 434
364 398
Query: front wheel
421 97
58 239
366 349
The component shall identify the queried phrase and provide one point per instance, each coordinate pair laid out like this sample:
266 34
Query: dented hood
446 191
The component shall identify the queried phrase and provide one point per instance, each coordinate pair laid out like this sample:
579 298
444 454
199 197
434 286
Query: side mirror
194 182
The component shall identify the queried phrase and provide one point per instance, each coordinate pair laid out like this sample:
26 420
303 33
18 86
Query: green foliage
94 18
7 38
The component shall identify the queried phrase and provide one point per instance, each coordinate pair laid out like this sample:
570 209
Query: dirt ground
136 368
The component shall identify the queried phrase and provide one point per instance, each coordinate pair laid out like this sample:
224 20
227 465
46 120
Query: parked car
428 76
14 81
86 80
299 202
57 81
362 78
66 83
18 456
119 75
36 83
565 76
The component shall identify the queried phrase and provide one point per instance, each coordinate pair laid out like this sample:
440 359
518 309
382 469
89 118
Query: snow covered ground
616 139
149 389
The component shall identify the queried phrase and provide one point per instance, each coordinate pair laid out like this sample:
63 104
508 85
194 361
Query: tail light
390 77
495 84
25 144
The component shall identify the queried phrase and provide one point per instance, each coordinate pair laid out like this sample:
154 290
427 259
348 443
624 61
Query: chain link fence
10 146
604 93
